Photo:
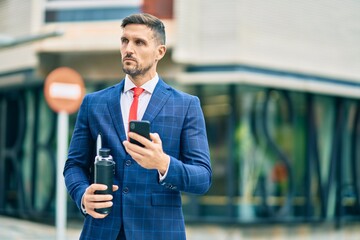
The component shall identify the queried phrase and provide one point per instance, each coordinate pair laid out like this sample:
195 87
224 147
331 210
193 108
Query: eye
124 40
139 42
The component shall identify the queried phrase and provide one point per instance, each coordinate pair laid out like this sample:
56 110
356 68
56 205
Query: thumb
155 138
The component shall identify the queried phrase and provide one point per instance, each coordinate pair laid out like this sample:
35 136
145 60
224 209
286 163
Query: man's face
140 51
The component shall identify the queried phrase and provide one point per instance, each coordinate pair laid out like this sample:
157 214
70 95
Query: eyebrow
136 38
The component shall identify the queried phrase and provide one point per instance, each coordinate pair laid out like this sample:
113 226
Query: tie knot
137 91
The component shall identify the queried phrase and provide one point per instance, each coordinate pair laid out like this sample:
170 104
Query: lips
129 59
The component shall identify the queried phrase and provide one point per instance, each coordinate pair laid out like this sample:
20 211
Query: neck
140 80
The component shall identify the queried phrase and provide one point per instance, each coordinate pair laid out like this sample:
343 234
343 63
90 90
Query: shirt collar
149 86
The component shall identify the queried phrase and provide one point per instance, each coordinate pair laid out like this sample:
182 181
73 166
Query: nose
128 49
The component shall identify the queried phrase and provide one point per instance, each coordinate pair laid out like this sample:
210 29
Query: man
146 202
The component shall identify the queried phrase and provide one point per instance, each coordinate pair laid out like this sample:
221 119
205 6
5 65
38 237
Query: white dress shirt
144 99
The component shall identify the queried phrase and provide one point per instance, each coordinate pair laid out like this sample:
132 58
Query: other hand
92 201
151 156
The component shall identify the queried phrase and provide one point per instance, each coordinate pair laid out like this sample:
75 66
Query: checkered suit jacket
147 209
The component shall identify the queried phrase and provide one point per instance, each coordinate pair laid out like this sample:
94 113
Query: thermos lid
104 152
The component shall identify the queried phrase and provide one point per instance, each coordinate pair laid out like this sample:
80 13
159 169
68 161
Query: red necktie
134 105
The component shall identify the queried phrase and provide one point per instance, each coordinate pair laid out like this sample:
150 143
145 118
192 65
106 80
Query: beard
136 70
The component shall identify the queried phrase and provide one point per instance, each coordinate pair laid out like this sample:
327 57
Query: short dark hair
150 21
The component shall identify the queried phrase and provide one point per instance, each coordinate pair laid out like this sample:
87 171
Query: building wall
314 37
18 20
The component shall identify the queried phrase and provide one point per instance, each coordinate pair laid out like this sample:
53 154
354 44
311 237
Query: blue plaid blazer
147 209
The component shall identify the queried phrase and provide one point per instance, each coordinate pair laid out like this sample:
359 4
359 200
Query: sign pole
63 90
61 200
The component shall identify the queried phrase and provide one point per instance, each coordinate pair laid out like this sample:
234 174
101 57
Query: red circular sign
64 90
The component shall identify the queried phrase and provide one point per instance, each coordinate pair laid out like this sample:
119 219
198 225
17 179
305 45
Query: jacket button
128 162
125 190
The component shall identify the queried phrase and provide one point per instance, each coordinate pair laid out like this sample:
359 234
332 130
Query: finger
129 146
94 214
125 143
135 150
99 205
99 197
115 188
90 199
91 206
95 187
155 138
139 138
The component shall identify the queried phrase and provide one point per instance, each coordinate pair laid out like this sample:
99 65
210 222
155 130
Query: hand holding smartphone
140 127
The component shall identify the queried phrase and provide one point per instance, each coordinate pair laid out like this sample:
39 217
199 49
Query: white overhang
287 82
89 37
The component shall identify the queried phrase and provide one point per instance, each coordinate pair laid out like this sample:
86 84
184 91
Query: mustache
128 57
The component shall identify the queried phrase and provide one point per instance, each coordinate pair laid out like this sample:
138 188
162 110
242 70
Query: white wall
315 37
18 20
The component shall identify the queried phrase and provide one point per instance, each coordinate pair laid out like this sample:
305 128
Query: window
86 10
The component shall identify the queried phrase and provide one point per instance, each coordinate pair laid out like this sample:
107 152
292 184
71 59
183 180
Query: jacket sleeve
77 166
192 172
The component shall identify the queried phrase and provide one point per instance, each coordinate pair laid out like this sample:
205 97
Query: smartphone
140 127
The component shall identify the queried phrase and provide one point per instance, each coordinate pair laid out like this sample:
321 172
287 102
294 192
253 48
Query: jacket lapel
158 99
115 110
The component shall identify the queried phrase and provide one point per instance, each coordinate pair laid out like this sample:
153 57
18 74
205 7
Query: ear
161 52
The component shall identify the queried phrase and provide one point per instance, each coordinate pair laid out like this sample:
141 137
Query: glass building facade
277 155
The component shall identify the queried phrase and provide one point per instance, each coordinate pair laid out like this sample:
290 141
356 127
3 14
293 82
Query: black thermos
104 174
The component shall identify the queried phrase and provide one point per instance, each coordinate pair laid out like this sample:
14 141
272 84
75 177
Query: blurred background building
279 83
